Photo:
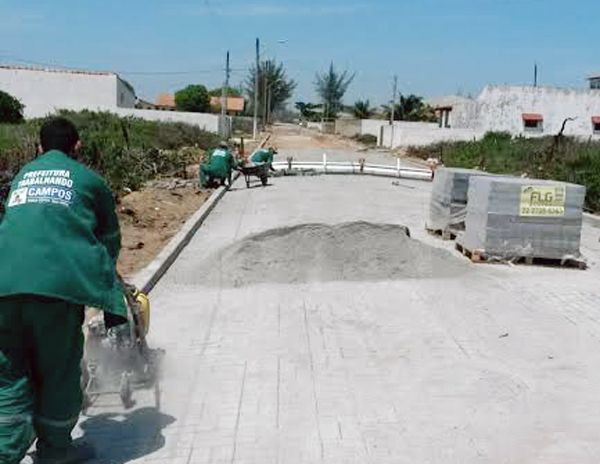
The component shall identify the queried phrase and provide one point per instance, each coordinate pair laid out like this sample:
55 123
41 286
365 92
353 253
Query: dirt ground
149 218
294 137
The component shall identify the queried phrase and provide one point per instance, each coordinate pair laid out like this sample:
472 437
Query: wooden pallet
444 234
479 256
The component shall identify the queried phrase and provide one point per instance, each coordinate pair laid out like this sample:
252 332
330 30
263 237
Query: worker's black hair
59 134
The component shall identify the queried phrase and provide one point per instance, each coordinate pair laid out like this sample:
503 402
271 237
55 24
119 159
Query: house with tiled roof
44 91
234 105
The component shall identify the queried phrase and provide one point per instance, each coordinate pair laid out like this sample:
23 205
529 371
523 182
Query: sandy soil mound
356 251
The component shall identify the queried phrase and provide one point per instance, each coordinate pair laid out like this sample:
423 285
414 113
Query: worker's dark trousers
208 174
41 345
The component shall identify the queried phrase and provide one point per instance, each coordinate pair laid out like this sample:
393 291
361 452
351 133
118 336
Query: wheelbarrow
260 170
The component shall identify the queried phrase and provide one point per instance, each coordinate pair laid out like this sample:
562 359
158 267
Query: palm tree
410 108
362 109
331 87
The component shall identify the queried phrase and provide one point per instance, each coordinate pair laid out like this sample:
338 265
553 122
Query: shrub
366 139
126 151
560 158
11 109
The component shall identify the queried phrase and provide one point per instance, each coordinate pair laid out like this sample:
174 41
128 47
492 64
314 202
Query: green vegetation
307 111
331 87
410 108
554 157
274 87
231 92
193 98
11 109
126 151
362 109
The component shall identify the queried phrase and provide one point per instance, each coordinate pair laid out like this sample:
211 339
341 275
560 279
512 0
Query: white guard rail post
349 167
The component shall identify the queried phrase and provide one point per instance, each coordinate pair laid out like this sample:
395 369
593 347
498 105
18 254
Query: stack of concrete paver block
448 204
511 217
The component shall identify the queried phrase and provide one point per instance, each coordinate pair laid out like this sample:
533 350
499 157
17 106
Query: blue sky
436 47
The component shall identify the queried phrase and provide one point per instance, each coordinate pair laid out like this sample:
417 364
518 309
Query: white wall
501 108
419 134
372 126
206 121
347 127
45 92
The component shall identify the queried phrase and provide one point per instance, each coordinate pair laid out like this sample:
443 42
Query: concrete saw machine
118 361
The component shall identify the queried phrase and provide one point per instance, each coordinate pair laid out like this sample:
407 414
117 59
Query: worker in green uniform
263 155
218 166
59 243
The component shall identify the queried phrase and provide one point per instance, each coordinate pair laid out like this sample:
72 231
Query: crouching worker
218 167
59 243
264 155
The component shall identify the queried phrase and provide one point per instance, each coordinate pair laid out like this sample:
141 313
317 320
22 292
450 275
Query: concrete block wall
206 121
421 134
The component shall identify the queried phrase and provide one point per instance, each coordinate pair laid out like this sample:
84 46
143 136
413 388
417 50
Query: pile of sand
356 251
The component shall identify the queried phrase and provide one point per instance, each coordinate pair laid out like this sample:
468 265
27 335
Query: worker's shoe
77 452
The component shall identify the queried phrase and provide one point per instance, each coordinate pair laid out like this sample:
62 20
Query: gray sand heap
355 251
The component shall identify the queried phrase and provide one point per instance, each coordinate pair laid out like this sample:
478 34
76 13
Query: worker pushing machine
218 167
59 243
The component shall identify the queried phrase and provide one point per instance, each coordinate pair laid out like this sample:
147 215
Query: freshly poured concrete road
498 365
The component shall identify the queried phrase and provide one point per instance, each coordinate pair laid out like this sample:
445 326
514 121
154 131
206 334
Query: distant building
166 102
44 91
527 110
141 104
235 105
594 82
443 107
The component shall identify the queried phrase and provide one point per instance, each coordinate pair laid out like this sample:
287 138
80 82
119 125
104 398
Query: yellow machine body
144 303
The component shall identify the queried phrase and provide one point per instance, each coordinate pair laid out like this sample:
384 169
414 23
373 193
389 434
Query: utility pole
535 74
265 89
269 95
255 122
224 92
393 110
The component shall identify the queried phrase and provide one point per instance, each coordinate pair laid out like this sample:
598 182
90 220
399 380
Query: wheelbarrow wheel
264 180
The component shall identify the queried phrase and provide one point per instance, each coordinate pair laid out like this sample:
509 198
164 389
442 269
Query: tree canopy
331 87
231 92
274 87
410 108
362 109
307 111
193 98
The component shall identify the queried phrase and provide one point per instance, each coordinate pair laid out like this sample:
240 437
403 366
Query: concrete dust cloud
354 251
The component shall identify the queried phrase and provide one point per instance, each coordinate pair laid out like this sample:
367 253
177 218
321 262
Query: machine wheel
125 391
